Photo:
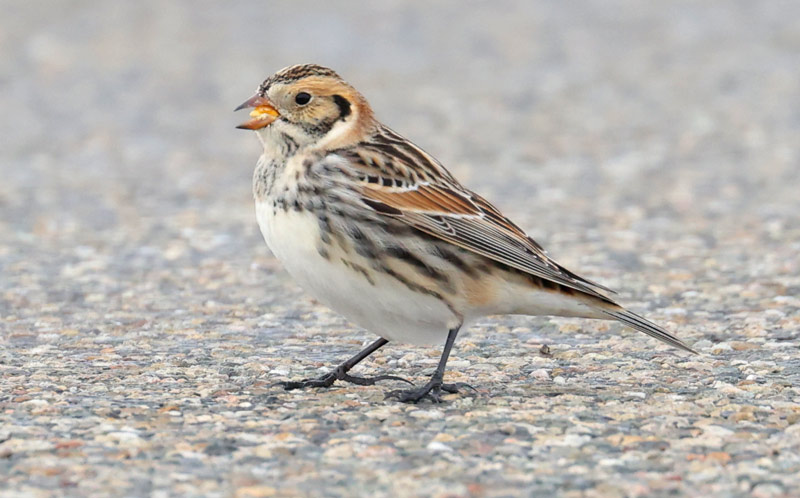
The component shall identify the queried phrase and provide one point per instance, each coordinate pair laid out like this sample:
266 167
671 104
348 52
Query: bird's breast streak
347 283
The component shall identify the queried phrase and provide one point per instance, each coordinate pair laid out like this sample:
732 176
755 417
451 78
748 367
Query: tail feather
643 325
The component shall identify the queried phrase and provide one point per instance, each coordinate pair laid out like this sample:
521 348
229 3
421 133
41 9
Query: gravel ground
652 146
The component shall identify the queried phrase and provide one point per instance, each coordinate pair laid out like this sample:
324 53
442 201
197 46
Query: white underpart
387 308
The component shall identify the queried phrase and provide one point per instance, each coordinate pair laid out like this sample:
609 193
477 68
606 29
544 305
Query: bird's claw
432 390
456 386
370 381
328 379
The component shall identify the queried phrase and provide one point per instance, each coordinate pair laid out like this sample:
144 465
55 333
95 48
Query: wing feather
415 188
424 198
401 181
453 217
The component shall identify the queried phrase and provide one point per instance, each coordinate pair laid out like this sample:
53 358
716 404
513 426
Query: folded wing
462 218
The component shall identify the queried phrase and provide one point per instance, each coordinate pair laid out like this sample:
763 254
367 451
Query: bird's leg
435 386
340 372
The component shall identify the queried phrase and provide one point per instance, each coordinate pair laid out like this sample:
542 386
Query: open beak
263 113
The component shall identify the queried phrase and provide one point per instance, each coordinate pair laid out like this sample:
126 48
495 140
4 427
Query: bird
377 229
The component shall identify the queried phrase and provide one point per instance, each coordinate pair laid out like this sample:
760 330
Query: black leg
340 373
435 386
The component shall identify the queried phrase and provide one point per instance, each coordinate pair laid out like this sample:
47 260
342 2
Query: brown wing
430 199
401 180
472 223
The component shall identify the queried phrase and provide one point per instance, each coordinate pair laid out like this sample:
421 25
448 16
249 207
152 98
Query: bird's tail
643 325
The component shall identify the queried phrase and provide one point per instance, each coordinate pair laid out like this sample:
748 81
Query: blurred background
624 136
651 146
117 121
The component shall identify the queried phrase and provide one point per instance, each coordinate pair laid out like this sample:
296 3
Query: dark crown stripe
294 73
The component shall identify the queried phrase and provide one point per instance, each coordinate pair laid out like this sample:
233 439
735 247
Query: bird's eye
302 98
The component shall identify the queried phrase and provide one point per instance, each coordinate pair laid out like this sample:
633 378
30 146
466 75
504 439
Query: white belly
384 306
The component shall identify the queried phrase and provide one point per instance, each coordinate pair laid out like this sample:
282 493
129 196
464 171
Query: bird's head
308 105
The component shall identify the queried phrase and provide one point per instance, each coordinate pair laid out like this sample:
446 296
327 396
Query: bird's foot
370 381
432 390
456 386
329 378
326 380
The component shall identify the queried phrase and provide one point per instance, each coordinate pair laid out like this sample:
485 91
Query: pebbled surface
650 146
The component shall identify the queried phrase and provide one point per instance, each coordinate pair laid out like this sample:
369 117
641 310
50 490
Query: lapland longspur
376 228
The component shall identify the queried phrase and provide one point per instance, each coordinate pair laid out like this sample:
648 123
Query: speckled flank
650 146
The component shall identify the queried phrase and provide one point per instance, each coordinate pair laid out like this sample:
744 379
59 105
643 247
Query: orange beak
263 113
